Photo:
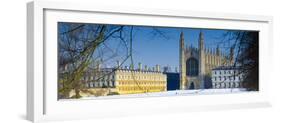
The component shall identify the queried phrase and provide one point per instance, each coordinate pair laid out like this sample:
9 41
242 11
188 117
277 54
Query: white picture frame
40 94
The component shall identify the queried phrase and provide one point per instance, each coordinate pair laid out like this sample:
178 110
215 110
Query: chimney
166 69
140 66
98 65
118 64
131 67
145 68
158 68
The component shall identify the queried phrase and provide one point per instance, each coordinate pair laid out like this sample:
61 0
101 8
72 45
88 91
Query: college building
227 77
127 80
196 64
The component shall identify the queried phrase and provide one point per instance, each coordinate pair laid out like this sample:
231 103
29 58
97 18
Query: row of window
226 72
101 78
141 77
227 85
111 77
142 83
213 61
138 71
141 88
100 84
224 78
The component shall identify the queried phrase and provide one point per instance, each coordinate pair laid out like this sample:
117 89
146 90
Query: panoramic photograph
105 60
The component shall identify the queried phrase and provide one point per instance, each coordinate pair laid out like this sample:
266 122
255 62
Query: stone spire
140 66
231 55
145 68
218 51
131 66
157 67
182 64
201 60
118 64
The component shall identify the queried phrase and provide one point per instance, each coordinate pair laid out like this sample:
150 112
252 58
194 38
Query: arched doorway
191 86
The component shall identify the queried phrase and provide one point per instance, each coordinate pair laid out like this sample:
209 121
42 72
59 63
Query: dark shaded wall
173 82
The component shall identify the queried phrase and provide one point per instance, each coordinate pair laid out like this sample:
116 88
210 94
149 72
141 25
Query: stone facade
182 64
196 64
140 81
227 77
127 81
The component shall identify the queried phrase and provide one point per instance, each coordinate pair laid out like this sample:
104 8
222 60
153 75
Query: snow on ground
174 93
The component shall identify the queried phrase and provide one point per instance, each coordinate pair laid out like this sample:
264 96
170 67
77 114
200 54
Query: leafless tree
246 45
79 48
87 46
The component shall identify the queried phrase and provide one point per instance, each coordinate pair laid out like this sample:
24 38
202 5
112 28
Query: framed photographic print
100 61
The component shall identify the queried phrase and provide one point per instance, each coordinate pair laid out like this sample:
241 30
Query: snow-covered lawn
173 93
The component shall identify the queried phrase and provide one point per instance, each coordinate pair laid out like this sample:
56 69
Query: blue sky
151 50
163 48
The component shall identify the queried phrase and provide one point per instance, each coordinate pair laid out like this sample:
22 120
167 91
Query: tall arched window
192 67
